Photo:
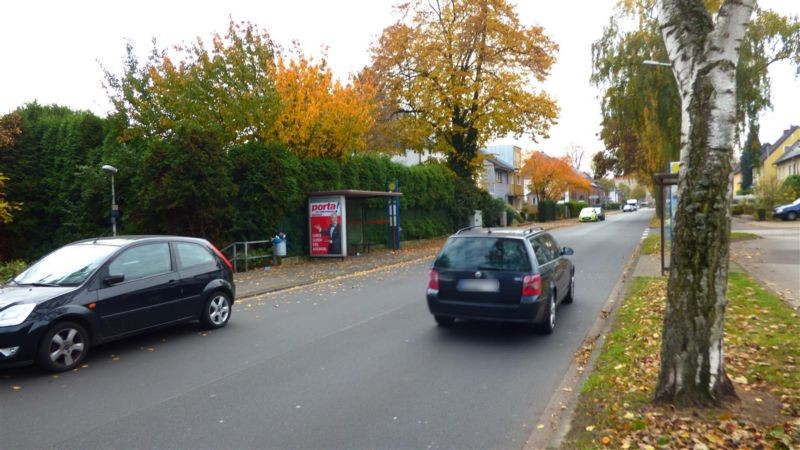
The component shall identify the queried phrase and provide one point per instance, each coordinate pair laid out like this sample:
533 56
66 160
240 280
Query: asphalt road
354 363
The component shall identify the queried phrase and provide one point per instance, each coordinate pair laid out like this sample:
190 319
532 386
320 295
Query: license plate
479 285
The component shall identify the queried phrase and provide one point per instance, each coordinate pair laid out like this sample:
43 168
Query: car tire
63 347
791 216
217 310
444 321
571 294
549 322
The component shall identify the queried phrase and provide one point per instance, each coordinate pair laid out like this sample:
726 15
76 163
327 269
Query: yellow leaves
320 117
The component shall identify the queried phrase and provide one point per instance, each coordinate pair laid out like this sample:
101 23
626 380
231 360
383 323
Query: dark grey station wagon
501 274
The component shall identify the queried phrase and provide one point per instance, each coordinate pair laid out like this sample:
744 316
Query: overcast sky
52 50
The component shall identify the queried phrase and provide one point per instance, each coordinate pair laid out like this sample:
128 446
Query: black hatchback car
501 274
98 290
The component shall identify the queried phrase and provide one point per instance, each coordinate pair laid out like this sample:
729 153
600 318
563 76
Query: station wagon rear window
484 253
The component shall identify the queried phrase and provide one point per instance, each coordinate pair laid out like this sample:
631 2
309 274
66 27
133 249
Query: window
479 253
549 248
142 261
190 255
540 250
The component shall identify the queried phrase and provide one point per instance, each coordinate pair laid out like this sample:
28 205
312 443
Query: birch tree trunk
703 51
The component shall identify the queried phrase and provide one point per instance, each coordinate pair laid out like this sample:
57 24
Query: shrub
791 187
11 269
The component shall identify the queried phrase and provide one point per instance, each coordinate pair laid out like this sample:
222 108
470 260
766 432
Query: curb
266 291
556 419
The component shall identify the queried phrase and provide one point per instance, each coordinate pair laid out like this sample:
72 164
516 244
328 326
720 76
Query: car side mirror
567 251
113 279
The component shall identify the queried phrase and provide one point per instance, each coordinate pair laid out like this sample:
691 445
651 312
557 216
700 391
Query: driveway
774 258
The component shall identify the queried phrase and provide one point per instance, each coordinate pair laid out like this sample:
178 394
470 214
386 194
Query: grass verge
652 243
762 353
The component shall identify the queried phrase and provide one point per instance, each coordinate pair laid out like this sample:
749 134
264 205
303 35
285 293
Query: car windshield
796 202
587 211
484 253
67 266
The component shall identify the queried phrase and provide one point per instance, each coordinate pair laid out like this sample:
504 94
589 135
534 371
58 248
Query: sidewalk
774 258
311 270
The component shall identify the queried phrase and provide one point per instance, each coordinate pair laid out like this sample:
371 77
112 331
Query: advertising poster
326 221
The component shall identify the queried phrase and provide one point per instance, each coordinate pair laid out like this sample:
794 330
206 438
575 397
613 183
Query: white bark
703 54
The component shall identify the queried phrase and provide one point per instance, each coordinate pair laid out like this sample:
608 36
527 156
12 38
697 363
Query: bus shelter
337 222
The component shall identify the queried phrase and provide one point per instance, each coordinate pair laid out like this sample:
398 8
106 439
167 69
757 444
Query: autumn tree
641 106
575 155
9 129
321 117
703 50
225 88
551 177
457 74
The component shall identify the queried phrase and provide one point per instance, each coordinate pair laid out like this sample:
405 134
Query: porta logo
330 206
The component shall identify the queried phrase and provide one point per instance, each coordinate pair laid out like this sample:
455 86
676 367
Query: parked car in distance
634 203
98 290
601 213
628 208
588 215
501 274
788 212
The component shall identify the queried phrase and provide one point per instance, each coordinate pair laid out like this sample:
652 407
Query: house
501 176
788 164
767 168
413 157
737 178
593 195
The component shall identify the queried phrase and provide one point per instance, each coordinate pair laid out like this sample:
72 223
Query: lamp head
109 168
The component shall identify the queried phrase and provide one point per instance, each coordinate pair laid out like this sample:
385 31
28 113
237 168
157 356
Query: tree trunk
704 55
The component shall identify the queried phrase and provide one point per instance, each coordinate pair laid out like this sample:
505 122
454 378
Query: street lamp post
112 170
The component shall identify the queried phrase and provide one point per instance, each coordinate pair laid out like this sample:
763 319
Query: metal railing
242 251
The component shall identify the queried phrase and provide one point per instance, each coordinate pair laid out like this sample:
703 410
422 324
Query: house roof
767 150
498 163
791 152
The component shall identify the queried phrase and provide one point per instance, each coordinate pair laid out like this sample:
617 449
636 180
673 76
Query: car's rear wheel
549 323
217 310
791 216
571 294
444 321
63 347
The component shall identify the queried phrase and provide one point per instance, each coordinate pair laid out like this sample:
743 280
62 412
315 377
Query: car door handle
172 283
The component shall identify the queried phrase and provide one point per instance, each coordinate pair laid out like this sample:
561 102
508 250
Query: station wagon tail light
433 282
224 259
531 285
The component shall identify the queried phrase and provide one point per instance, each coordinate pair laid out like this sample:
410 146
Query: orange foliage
10 127
319 116
551 177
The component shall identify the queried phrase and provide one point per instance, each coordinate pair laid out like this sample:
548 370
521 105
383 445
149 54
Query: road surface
352 363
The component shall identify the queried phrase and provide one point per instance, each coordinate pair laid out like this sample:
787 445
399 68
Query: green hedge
188 183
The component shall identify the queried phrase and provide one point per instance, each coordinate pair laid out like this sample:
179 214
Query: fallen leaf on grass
740 380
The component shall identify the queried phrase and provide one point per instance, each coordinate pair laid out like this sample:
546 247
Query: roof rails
534 230
467 228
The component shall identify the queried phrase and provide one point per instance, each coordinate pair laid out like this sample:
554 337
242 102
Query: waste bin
279 245
762 214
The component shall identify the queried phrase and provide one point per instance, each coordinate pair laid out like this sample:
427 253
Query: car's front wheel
791 216
63 347
571 294
217 310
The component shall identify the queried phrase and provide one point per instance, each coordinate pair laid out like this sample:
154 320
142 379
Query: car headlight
778 210
16 314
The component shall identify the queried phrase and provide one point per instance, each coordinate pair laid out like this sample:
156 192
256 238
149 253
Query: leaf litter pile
762 349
